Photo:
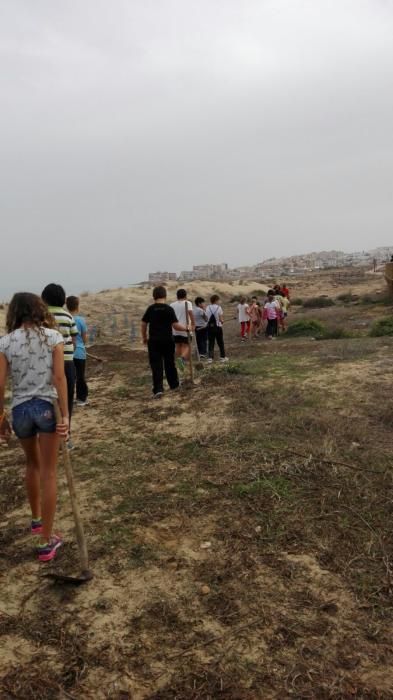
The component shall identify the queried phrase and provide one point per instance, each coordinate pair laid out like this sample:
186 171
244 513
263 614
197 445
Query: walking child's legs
82 390
245 328
220 341
49 448
271 328
170 366
156 364
183 350
32 453
201 338
41 459
211 340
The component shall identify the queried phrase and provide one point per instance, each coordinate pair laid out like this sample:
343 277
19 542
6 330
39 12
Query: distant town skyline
76 287
287 265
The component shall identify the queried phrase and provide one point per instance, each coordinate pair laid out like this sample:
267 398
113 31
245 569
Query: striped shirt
67 327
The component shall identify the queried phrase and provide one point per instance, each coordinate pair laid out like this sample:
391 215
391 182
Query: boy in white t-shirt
186 318
244 318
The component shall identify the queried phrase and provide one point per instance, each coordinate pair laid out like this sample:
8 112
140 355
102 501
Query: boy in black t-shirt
161 319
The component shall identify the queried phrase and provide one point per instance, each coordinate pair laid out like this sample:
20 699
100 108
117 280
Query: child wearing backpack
32 354
215 320
200 318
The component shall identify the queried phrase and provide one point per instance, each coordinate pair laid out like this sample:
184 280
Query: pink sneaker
36 527
47 551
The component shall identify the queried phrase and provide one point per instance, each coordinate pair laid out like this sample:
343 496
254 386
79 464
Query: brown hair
27 308
159 293
72 303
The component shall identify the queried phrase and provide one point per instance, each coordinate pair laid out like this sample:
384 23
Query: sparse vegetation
306 327
347 297
239 530
297 301
318 302
384 326
377 298
335 333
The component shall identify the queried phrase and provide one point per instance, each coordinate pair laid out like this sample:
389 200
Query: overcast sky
139 135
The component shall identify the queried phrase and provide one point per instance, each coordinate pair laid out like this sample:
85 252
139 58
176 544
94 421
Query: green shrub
296 302
335 334
318 302
306 328
347 297
382 327
376 299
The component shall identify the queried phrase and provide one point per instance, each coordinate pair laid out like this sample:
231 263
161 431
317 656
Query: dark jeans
69 369
82 390
215 334
271 328
162 355
201 338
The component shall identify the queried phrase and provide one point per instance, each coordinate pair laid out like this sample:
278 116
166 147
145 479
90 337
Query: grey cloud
142 135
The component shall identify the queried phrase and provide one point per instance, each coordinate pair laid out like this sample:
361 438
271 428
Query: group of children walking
44 354
167 331
274 310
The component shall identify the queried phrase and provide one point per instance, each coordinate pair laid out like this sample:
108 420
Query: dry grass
240 533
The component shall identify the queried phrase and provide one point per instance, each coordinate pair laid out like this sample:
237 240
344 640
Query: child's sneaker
224 359
158 395
36 527
47 552
210 360
81 404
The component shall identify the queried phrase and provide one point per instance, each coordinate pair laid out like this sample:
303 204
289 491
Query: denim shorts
32 417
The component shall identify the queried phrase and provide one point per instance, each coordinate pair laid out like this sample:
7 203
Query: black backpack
212 322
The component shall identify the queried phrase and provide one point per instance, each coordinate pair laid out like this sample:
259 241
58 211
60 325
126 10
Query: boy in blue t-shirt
80 352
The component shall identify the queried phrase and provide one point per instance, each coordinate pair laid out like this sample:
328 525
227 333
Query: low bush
318 302
335 334
347 297
376 299
306 328
382 327
296 302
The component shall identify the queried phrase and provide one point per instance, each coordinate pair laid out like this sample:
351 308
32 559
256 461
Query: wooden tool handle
80 535
190 343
